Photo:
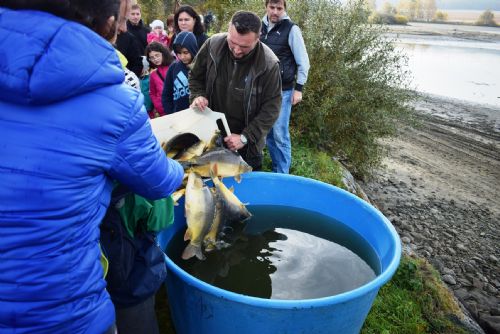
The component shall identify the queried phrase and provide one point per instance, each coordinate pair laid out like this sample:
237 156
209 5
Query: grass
414 301
312 164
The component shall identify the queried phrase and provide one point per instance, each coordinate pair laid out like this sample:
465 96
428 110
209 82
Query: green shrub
381 18
357 85
400 19
440 16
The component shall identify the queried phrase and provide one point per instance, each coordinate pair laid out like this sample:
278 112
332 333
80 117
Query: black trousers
138 319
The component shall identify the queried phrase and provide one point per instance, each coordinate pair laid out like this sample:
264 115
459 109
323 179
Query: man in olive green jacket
234 73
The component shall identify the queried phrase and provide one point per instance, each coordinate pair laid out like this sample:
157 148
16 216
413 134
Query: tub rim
372 286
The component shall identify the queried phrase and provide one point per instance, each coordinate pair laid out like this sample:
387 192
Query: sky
459 4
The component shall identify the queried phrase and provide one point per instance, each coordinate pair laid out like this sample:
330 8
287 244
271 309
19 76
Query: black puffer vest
277 40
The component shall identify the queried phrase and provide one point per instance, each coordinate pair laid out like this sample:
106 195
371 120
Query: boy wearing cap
175 96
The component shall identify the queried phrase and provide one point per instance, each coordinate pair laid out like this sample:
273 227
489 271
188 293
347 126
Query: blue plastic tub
198 307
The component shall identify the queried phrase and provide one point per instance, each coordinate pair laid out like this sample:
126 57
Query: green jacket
149 215
261 96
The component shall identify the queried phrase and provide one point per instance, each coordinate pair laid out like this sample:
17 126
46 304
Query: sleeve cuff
298 87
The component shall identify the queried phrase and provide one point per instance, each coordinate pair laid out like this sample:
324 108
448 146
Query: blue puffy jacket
68 127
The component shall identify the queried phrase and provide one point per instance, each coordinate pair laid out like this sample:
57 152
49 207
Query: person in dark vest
285 39
137 28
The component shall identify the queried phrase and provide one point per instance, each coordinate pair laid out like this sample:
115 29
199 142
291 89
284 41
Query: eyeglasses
153 57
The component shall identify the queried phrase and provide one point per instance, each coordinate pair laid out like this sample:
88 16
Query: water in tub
286 253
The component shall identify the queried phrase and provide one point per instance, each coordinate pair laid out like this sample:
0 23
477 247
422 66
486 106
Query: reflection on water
270 261
455 70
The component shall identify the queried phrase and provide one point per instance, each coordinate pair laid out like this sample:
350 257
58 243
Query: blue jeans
278 139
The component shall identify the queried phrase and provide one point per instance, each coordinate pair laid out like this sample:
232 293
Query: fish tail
192 250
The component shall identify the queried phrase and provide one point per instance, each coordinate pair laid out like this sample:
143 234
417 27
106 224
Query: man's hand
199 103
233 142
297 97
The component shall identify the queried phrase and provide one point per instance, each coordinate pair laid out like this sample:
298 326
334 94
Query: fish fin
238 178
192 250
213 171
210 247
187 235
231 189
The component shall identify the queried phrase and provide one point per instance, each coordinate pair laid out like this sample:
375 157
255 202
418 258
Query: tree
440 16
408 8
428 9
370 5
357 85
388 9
487 18
224 9
152 10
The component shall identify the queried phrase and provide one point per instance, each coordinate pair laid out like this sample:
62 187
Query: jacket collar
265 21
218 43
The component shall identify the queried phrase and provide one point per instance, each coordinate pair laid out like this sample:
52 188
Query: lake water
286 253
454 68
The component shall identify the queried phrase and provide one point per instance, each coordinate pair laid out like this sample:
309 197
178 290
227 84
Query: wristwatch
243 139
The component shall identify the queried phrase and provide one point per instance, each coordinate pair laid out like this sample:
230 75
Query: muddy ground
440 188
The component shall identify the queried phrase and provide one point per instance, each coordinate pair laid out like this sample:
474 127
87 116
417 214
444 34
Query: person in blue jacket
175 95
69 128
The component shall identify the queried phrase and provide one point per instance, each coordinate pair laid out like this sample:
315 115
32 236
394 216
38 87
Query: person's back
67 129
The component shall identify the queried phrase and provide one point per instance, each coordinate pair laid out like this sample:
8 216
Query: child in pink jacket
158 33
160 59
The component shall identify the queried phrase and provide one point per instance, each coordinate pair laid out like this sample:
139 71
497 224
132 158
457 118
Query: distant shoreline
460 31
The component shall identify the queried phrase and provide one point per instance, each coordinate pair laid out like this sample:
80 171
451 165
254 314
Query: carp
232 208
210 240
229 210
200 212
229 163
191 152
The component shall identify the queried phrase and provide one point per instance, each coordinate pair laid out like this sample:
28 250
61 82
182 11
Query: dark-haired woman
187 19
159 59
69 128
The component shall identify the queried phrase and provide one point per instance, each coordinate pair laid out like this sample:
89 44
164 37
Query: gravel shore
440 188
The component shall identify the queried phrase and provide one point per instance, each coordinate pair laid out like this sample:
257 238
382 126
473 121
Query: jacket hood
57 60
186 39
